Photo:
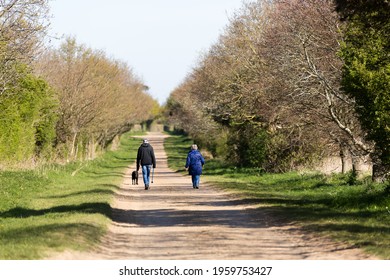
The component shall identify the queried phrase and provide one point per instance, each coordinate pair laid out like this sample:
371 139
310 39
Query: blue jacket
195 162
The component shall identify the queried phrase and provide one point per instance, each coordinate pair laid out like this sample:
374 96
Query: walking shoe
146 187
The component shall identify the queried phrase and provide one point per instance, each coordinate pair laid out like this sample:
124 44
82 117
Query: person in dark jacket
147 160
194 165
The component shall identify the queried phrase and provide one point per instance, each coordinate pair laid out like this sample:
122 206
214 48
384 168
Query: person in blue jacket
194 165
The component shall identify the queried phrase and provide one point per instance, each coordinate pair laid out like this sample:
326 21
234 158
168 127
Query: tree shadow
254 217
89 208
94 191
170 218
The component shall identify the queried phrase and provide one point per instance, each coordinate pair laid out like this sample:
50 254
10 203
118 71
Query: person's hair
145 141
194 147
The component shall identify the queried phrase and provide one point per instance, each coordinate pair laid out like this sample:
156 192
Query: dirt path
174 221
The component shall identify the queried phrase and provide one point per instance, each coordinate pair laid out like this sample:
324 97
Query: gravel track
173 221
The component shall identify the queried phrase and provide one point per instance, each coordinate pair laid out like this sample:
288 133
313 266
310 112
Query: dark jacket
195 162
145 155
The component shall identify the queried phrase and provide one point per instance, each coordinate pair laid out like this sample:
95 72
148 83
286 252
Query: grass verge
356 214
60 207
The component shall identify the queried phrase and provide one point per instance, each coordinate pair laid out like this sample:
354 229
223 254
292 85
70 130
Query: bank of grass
60 207
356 214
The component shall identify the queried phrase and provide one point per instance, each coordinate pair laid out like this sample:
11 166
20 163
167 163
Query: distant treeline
60 104
291 82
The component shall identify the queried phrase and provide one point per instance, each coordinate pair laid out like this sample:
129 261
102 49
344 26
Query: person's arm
187 162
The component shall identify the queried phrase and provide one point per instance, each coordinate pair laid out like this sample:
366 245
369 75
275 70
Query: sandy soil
173 221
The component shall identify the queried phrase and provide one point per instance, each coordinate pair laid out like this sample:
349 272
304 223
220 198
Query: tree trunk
115 143
357 164
343 157
91 148
73 149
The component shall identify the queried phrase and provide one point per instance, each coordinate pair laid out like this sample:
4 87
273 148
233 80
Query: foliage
367 73
89 98
178 146
99 98
183 113
23 24
273 77
27 119
247 146
27 103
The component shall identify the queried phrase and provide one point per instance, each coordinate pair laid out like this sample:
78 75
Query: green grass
328 205
178 147
49 210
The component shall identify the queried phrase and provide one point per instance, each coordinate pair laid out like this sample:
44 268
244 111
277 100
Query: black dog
134 178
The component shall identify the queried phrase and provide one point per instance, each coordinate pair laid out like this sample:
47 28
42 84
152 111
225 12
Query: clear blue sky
160 39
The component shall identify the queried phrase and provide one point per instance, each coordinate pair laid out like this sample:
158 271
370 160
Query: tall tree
366 76
23 25
303 46
27 103
274 77
99 97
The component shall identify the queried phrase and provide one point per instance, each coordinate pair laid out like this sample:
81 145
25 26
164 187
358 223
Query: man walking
147 160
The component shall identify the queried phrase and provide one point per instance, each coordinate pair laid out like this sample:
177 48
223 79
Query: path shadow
234 218
256 217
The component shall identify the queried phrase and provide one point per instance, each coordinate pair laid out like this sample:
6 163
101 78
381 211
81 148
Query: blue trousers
146 174
195 180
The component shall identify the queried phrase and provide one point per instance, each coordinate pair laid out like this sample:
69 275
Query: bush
247 146
27 119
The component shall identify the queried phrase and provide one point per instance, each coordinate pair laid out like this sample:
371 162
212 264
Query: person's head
145 141
194 147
